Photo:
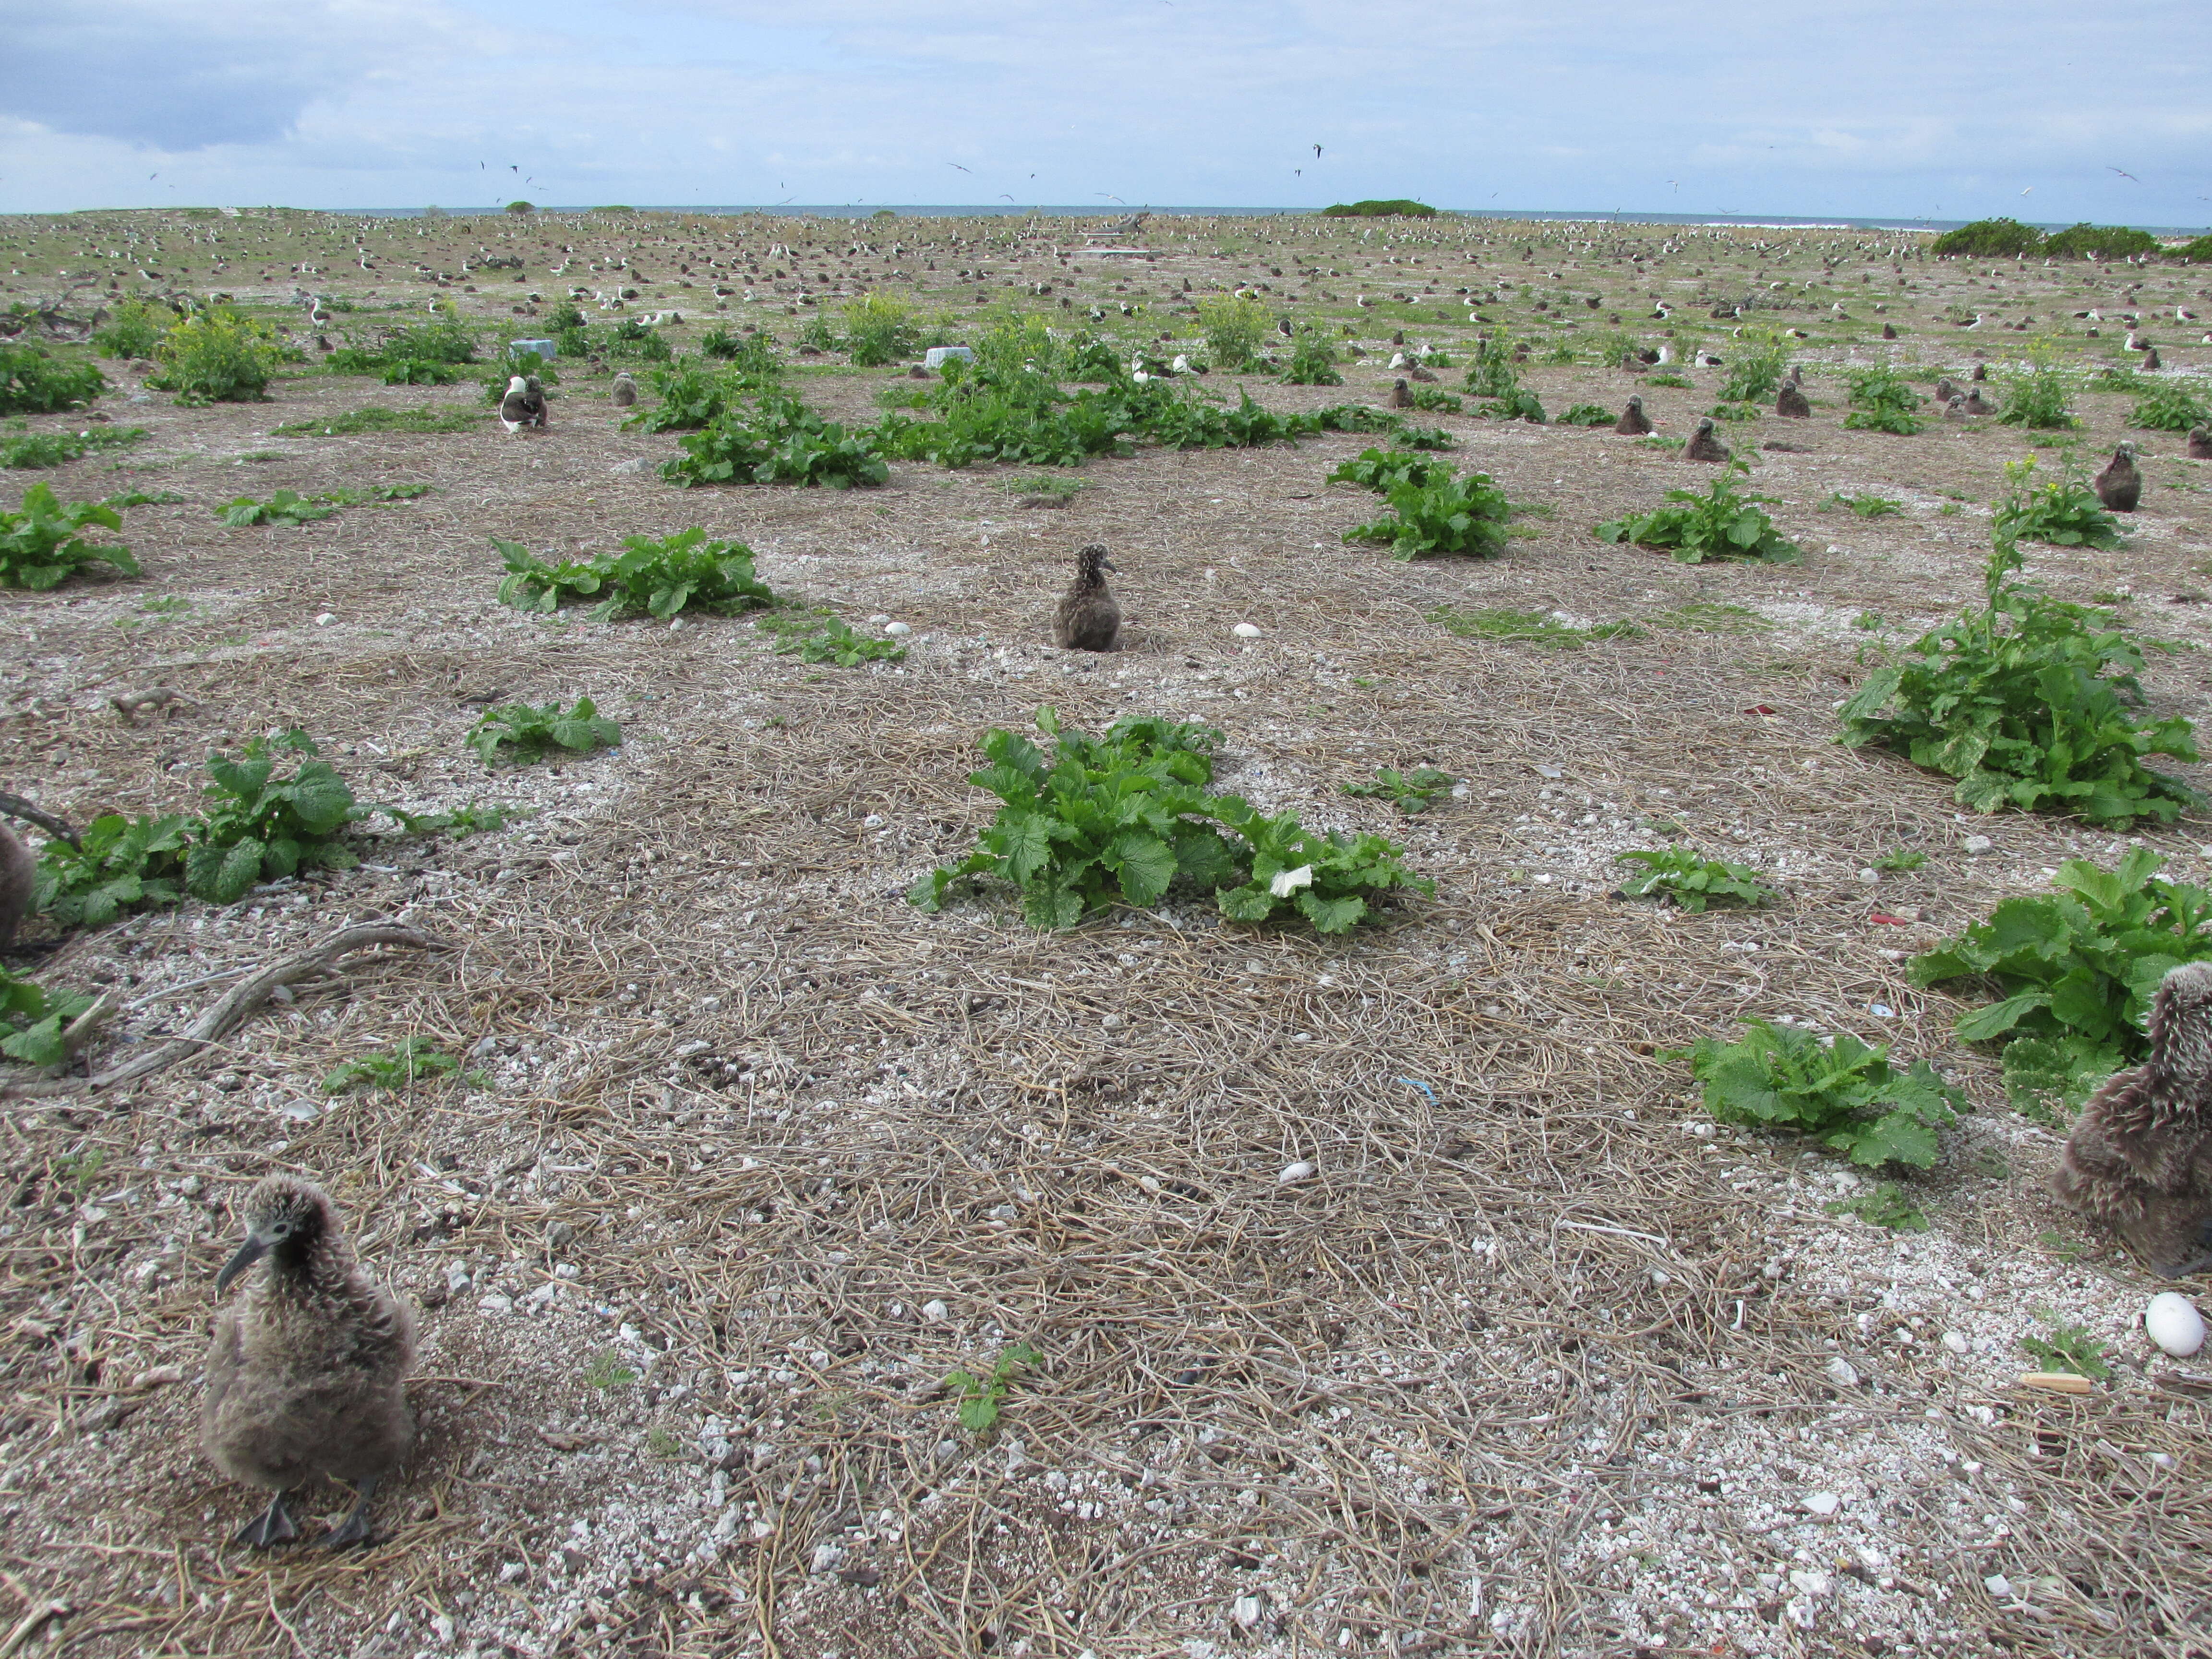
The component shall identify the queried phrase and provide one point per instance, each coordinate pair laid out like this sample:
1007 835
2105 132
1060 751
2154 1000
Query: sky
2045 111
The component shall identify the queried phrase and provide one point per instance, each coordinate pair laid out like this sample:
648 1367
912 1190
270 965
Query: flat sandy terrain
752 1152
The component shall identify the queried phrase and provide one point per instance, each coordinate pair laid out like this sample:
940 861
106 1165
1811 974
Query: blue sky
2051 111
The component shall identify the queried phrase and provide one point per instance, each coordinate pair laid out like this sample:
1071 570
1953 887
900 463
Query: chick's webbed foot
354 1529
272 1526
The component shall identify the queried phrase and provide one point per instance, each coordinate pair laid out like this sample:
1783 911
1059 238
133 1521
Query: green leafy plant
2064 512
1434 399
1382 469
41 543
980 1397
219 357
776 440
1233 326
118 863
411 371
1886 1205
79 1171
819 636
1719 524
1754 370
2086 240
1843 1093
32 383
444 339
1491 374
2038 396
1587 415
2075 971
1409 791
285 507
1123 817
1313 360
692 396
517 733
2030 703
1883 400
1441 514
1678 873
423 420
661 578
607 1370
1899 859
2067 1348
134 330
258 827
32 1021
1398 207
43 449
1679 382
879 329
2169 406
1867 507
407 1062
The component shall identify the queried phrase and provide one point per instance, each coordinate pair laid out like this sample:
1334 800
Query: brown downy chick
305 1375
1088 619
1981 371
2200 443
2140 1157
1633 422
1889 331
1955 408
19 875
1945 391
2119 486
625 390
1703 445
1399 397
1791 401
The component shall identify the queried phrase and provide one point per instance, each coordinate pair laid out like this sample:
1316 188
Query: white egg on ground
2171 1321
1245 631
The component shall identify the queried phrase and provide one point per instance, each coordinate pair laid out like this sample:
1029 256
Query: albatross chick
1703 446
2119 486
304 1376
1633 422
1088 619
2140 1157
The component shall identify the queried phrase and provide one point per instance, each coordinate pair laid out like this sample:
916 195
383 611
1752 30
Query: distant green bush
1397 208
218 356
1988 239
2198 253
135 331
2086 240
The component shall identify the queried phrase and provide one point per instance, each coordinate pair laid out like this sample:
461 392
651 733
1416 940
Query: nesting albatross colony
1484 1078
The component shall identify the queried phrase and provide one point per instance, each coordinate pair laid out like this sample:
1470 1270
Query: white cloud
1866 106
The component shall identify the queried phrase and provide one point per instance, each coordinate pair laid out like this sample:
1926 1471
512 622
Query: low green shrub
879 329
2075 971
1122 817
1409 791
42 544
1587 415
444 339
1491 374
2030 703
1379 470
255 826
1883 400
32 383
1678 874
2086 240
134 330
409 371
1719 524
1846 1095
32 1021
2169 406
409 1061
661 579
1444 515
517 733
692 396
44 449
1233 326
2064 513
1313 360
1754 369
1865 505
118 863
421 421
777 439
1395 208
2037 396
219 357
1434 399
819 636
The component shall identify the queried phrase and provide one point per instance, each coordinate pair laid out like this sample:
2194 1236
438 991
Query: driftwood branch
228 1011
16 807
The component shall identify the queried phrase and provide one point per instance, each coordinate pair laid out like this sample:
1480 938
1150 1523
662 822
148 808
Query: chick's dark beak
251 1251
1108 564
